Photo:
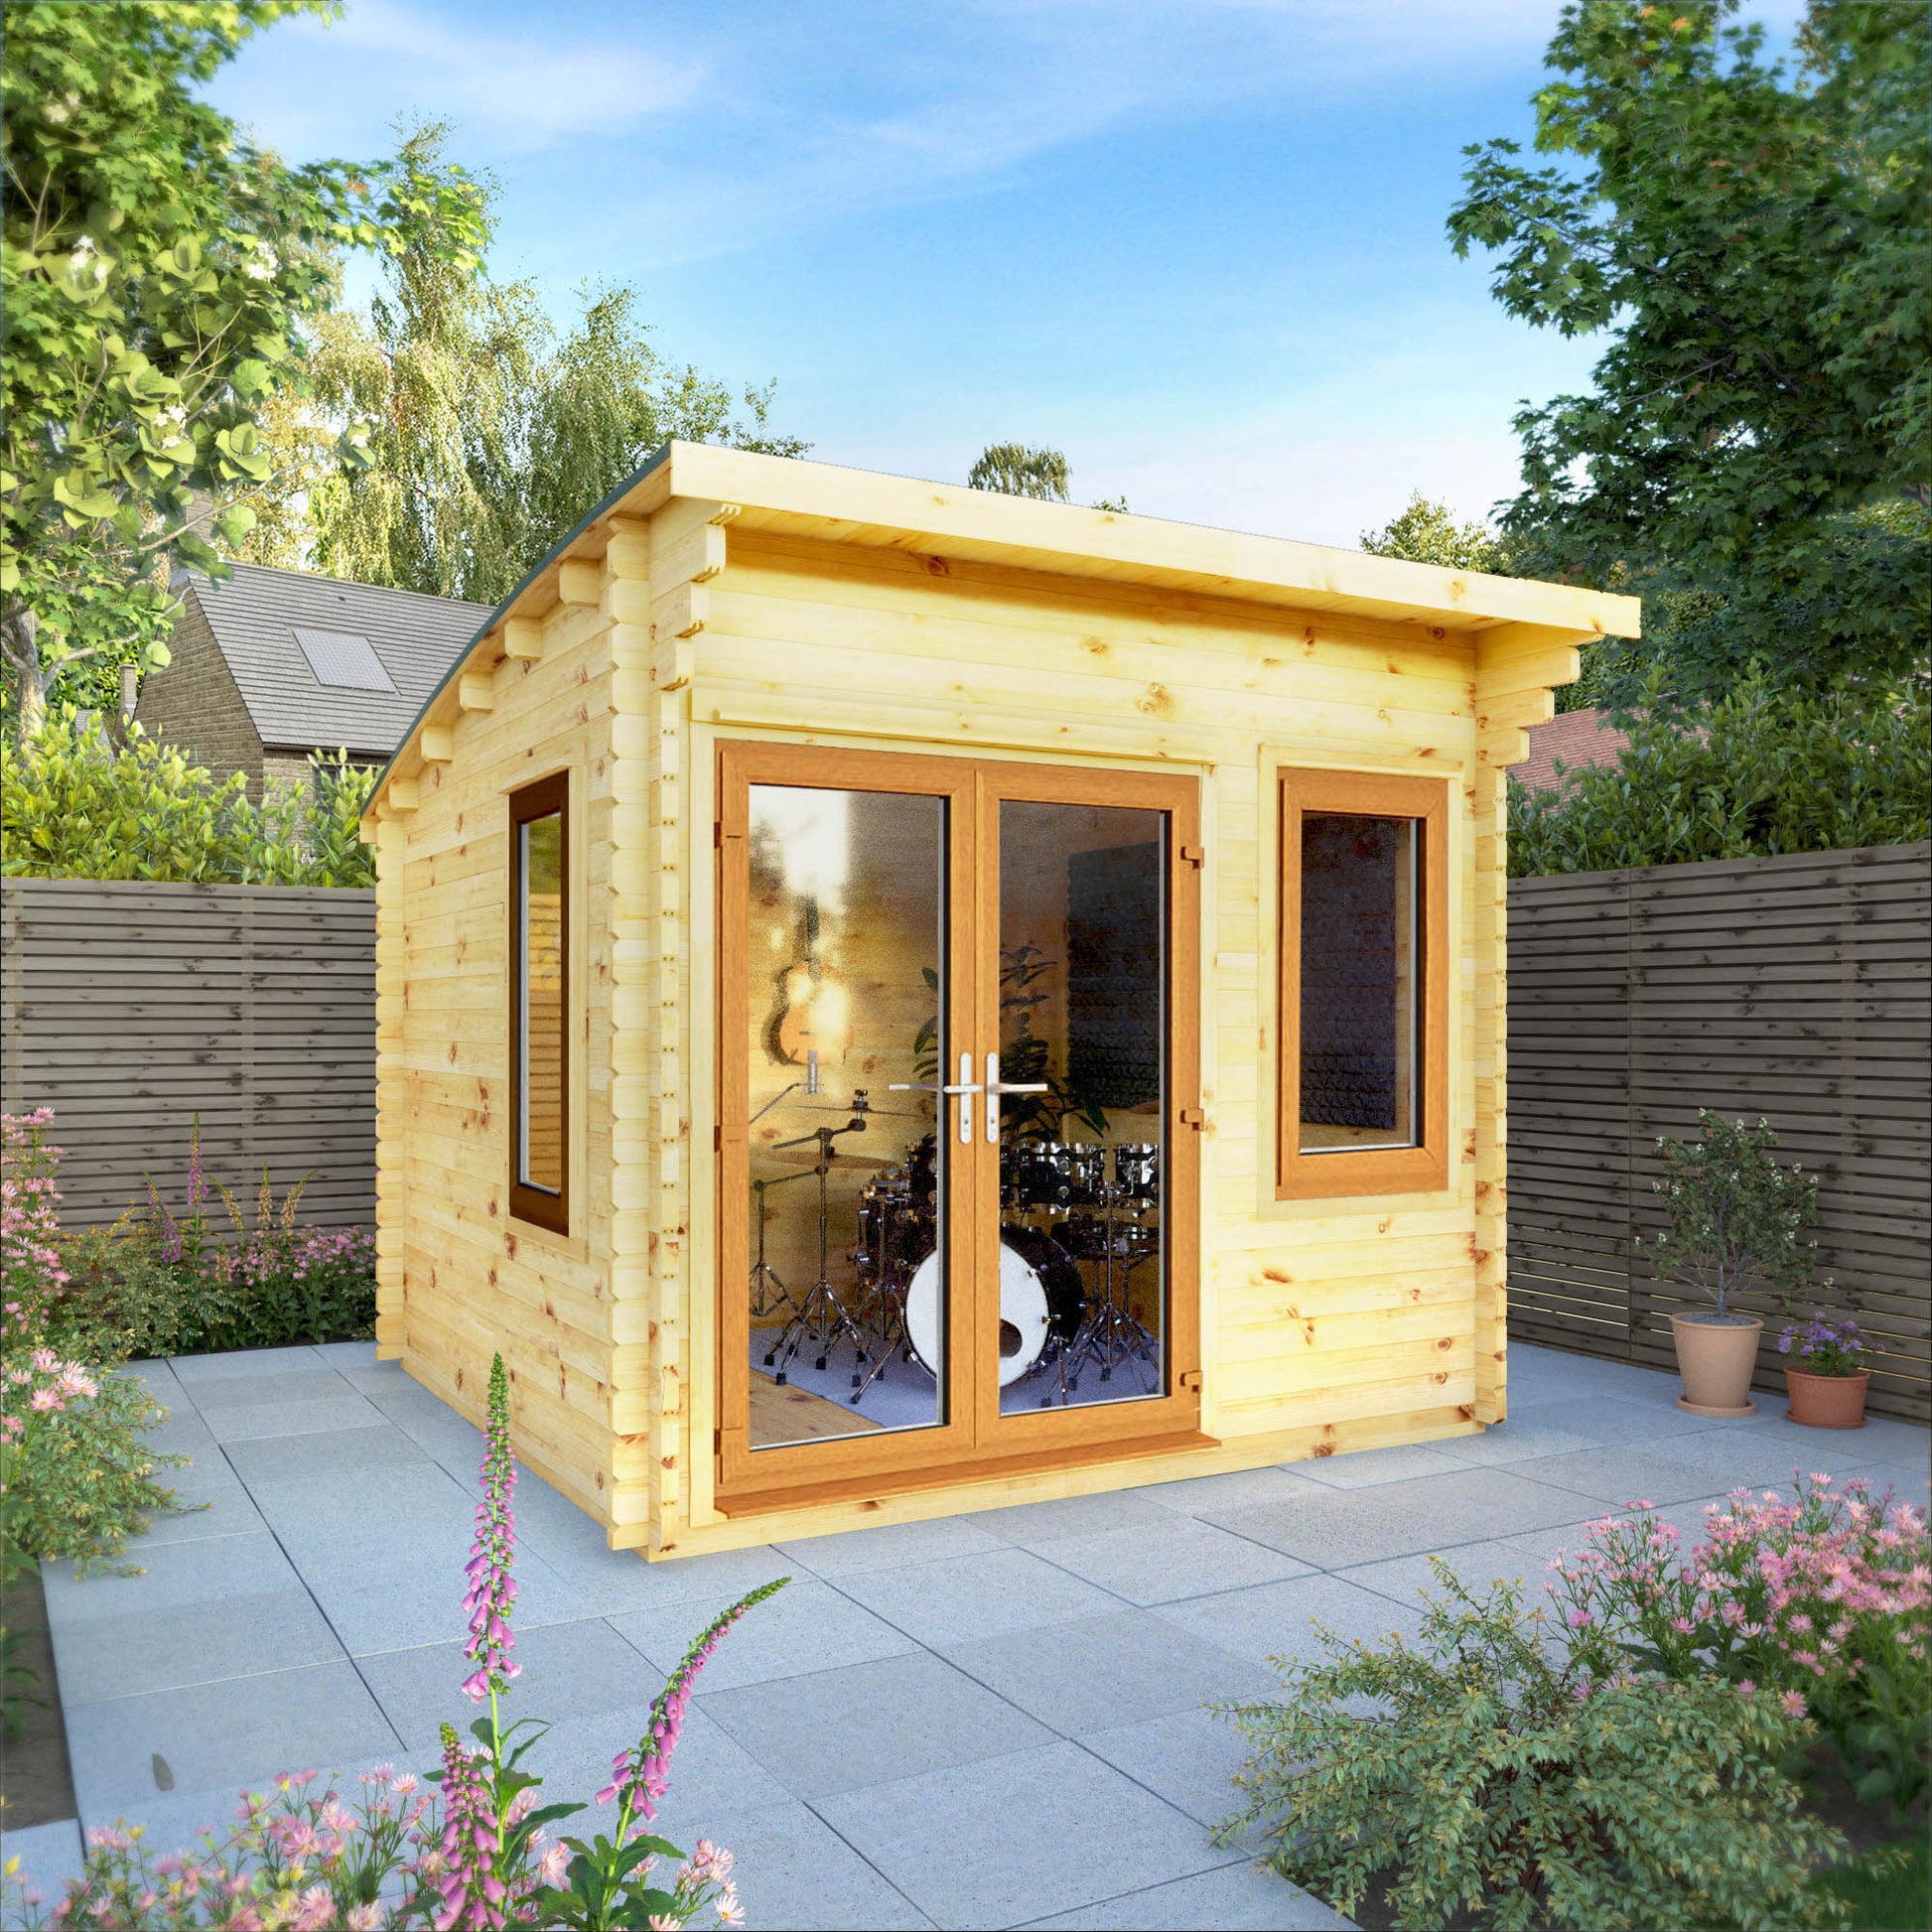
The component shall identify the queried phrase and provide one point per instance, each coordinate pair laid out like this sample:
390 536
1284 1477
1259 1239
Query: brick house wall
195 704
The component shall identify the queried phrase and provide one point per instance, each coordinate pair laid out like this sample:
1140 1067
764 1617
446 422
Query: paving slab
1103 1670
960 1597
216 1739
1477 1565
196 1371
404 1511
836 1730
1368 1469
615 1583
948 1838
796 1874
1188 1757
283 1458
50 1855
1037 1526
1173 1558
1234 1897
1238 1489
404 1603
890 1544
1336 1528
212 1499
1278 1620
566 1669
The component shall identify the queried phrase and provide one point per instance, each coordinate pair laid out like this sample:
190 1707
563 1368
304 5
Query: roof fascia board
859 505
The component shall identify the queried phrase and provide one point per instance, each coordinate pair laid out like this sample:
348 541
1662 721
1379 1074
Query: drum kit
1077 1222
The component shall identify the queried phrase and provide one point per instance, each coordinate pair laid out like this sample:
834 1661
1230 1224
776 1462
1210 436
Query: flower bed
1628 1764
467 1843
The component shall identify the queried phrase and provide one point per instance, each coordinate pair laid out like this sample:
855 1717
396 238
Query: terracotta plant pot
1827 1401
1715 1354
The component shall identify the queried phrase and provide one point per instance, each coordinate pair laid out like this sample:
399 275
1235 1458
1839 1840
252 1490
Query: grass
1889 1889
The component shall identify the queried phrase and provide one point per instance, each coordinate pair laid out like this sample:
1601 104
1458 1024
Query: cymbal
842 1156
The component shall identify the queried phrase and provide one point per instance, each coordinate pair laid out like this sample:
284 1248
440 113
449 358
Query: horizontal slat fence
1796 987
131 1007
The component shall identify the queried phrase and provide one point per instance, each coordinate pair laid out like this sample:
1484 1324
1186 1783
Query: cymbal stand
767 1290
821 1316
1110 1337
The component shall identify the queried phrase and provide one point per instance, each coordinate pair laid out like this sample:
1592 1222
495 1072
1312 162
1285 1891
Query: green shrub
76 803
77 1476
1758 772
1500 1787
1732 1214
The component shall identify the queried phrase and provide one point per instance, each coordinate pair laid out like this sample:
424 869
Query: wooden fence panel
1798 988
131 1007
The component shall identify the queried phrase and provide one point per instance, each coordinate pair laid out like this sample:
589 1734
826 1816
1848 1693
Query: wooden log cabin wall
864 995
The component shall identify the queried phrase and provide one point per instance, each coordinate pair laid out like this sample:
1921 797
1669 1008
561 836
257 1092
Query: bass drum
1034 1302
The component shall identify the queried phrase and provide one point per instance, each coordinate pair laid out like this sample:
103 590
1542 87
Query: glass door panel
846 1027
1078 1104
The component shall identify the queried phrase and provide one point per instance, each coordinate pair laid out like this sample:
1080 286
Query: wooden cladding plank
134 1008
1794 987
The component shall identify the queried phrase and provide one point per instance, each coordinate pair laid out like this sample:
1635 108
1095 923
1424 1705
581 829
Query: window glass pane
1360 982
1083 973
846 1001
540 1023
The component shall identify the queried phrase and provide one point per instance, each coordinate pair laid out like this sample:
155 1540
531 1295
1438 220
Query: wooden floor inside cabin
794 1415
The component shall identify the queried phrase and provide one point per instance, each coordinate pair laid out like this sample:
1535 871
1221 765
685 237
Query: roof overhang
862 508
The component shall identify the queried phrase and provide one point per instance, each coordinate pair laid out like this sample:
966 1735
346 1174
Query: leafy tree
491 435
1760 770
1757 243
1428 533
157 269
1018 470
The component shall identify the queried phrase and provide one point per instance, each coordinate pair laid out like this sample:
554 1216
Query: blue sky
1196 244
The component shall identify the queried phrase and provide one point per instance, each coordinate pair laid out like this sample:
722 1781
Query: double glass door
957 1036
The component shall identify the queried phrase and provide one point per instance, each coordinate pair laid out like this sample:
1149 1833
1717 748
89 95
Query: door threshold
957 1475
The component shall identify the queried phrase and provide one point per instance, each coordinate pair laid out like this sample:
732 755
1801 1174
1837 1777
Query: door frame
974 1440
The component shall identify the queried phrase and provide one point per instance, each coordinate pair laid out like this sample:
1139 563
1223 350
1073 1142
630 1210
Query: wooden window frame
546 798
975 1442
1333 1175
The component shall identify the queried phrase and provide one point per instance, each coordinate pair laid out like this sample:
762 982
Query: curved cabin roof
931 519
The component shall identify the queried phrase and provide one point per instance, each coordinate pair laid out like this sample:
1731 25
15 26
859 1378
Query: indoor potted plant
1731 1221
1825 1373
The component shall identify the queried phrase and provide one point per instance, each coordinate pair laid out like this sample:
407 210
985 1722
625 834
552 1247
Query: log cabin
896 1000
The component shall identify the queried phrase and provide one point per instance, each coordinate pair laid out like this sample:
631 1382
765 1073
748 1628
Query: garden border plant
474 1851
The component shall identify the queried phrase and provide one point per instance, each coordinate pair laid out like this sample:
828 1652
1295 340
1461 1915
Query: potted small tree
1825 1373
1732 1216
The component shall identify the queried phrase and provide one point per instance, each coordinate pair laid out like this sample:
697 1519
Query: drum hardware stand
822 1316
768 1292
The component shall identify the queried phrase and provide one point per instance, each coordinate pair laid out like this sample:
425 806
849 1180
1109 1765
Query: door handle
965 1089
995 1087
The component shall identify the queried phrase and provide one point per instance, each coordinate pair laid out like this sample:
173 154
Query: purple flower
473 1895
641 1775
491 1595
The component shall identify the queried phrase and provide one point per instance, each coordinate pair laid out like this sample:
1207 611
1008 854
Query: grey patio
984 1720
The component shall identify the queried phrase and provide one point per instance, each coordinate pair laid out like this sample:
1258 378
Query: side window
540 1003
1365 985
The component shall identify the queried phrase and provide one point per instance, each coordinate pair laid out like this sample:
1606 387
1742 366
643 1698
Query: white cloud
311 85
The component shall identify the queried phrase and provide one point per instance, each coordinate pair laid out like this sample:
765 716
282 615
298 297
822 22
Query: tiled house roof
255 616
1576 739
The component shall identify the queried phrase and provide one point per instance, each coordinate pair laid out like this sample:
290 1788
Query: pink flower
46 1401
1794 1703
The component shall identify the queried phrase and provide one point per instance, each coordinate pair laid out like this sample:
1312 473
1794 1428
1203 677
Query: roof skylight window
343 660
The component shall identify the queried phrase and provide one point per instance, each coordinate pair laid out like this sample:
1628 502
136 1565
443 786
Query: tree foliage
1758 772
1755 241
76 804
492 434
1019 469
158 270
1426 532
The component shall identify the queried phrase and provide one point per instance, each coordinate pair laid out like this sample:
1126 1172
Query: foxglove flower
492 1594
473 1895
